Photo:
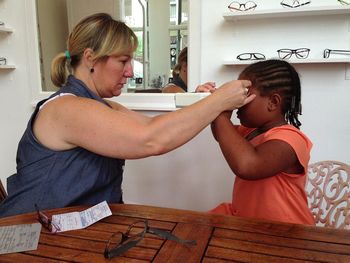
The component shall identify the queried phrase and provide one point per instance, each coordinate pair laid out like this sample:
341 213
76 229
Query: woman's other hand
206 87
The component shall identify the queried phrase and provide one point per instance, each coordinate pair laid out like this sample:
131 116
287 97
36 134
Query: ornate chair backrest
3 193
328 193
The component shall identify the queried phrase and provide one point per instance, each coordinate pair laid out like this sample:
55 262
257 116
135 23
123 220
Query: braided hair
271 76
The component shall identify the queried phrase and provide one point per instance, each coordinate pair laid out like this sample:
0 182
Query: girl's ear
275 102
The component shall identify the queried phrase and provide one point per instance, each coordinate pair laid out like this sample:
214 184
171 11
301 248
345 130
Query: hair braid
278 76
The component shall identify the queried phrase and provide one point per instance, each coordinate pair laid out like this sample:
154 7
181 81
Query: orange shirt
281 197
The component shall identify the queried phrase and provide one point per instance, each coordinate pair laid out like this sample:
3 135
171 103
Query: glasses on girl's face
286 53
121 242
294 3
236 6
46 222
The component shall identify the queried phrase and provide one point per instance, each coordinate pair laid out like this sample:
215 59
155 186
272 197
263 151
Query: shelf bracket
347 71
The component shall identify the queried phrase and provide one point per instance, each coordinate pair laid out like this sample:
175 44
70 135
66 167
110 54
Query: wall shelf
5 29
284 12
7 67
292 61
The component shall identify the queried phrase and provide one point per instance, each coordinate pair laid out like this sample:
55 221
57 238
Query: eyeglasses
344 2
286 53
3 61
251 56
294 4
236 6
327 52
121 242
46 222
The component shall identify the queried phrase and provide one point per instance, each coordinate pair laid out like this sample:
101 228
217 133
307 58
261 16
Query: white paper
79 220
17 238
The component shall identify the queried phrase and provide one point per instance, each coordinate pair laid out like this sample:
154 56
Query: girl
267 152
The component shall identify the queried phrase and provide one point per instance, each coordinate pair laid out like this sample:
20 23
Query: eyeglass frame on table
128 241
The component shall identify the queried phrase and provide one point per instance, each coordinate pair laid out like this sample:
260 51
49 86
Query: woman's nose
129 72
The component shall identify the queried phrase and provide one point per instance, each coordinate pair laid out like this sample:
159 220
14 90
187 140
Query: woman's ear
274 102
88 58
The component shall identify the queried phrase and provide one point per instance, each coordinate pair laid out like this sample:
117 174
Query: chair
328 193
3 193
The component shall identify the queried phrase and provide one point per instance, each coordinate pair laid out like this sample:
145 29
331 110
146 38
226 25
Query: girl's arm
249 162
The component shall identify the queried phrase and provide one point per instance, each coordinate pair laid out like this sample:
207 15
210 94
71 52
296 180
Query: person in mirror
76 141
179 81
268 153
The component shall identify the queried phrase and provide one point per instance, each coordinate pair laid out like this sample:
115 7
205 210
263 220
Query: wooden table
219 239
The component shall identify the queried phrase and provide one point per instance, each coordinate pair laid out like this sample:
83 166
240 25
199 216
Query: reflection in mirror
161 27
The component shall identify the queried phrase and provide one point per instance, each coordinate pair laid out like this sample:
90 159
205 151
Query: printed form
79 220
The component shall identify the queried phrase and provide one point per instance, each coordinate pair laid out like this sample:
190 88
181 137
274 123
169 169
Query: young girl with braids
267 152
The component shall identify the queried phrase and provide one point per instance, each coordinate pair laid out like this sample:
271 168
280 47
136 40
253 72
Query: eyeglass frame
242 4
46 222
293 51
124 246
294 6
253 54
343 2
3 61
329 51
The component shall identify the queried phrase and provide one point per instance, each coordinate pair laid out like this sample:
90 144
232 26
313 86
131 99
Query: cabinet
296 15
6 30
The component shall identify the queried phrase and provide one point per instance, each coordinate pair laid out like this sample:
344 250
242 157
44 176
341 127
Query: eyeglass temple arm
169 236
121 249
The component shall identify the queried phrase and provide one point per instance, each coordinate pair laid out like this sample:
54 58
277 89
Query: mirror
161 27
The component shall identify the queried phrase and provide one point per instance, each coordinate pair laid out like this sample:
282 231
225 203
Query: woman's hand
206 87
236 94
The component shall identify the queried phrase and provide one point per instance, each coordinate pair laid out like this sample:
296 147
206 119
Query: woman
179 82
74 147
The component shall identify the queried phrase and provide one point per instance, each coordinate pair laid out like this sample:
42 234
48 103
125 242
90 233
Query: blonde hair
182 59
100 32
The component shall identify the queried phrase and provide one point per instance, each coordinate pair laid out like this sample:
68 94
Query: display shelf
7 67
292 61
5 29
287 12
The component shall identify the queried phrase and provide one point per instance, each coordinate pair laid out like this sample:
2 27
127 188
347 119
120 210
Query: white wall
195 176
15 92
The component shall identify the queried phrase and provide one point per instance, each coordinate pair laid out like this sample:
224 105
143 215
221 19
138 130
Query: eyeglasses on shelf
46 222
3 61
294 3
327 52
237 6
286 53
251 56
121 242
343 2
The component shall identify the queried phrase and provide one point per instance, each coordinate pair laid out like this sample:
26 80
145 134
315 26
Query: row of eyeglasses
250 5
286 53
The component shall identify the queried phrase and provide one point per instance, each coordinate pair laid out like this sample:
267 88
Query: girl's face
255 113
111 74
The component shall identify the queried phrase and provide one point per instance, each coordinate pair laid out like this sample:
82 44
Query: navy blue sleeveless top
53 179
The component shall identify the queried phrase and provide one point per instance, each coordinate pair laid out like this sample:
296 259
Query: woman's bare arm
70 121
